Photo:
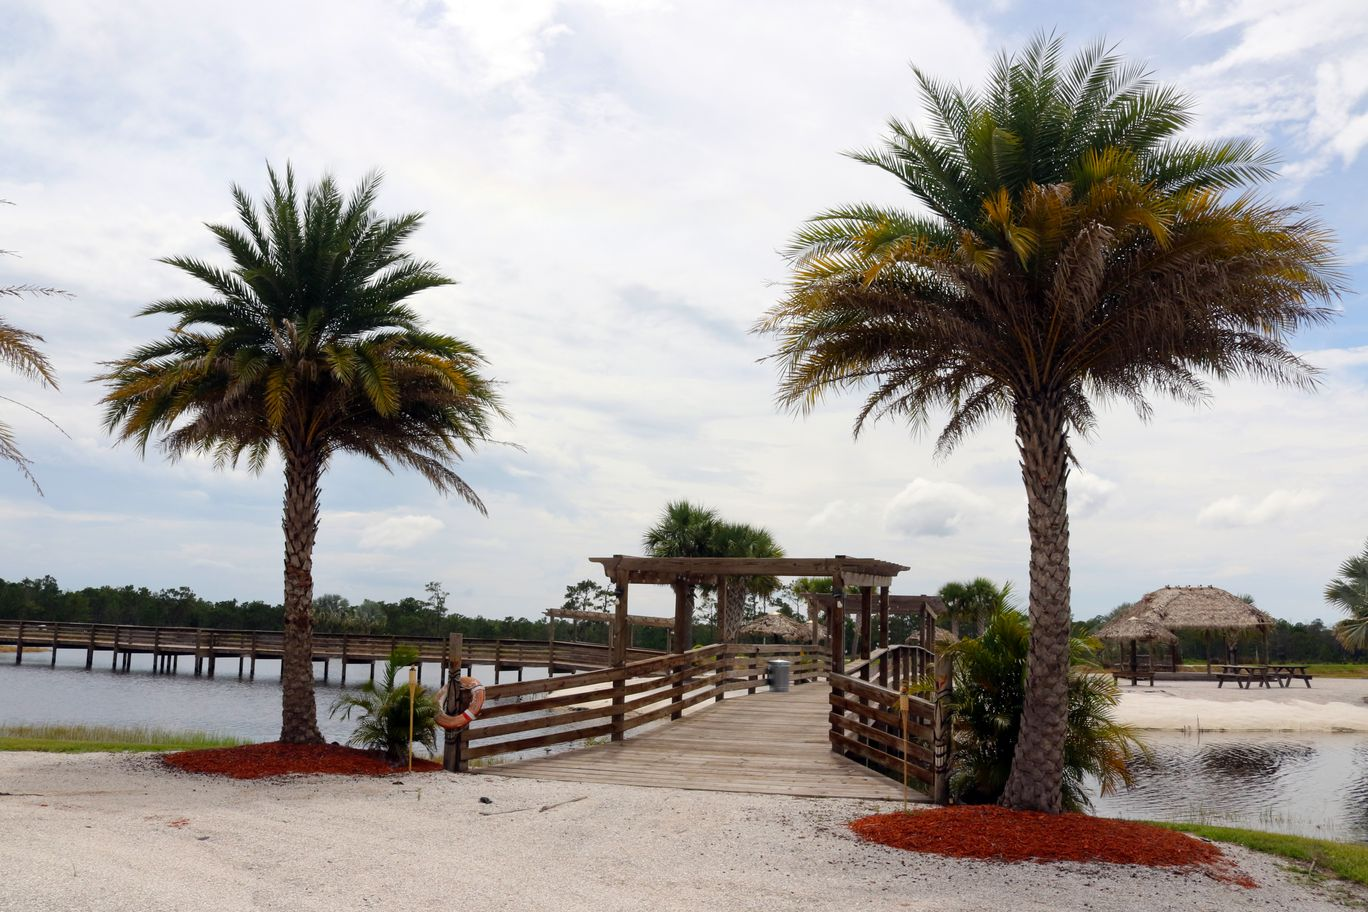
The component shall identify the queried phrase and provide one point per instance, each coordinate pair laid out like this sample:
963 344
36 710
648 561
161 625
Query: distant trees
972 601
1349 593
589 595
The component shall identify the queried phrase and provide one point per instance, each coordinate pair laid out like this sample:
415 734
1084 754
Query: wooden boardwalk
769 743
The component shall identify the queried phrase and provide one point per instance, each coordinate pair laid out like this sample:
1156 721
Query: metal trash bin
780 672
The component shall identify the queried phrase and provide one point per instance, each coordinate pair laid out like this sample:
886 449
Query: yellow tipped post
904 706
413 686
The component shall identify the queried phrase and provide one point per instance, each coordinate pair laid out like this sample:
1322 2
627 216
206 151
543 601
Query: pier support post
621 630
940 784
451 741
19 645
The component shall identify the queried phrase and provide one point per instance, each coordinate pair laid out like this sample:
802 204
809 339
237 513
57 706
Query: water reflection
1310 785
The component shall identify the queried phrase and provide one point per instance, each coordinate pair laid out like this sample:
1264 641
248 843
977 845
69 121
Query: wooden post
866 623
451 741
940 792
883 634
114 658
683 619
619 654
90 649
19 645
55 626
550 647
836 637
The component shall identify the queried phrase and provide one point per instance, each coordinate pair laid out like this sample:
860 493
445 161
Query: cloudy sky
611 182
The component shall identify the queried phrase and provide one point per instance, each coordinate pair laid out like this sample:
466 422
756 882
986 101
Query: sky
611 183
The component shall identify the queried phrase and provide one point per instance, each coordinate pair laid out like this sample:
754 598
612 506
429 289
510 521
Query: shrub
987 698
383 710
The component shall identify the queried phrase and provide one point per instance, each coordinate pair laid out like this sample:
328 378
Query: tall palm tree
1072 247
1349 593
305 347
683 530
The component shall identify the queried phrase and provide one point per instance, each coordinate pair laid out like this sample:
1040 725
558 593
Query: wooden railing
611 702
889 712
206 643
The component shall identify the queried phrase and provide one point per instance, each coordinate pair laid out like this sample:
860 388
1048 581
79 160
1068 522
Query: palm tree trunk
736 604
298 711
1037 776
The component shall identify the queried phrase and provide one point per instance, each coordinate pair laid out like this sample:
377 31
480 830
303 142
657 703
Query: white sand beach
109 832
1329 705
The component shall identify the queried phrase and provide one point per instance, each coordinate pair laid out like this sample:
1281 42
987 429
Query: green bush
383 710
988 694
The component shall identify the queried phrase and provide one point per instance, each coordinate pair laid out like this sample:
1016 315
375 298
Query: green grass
75 739
1345 860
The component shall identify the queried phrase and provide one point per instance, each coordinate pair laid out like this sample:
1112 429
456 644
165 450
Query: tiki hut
776 625
1136 629
1209 610
943 638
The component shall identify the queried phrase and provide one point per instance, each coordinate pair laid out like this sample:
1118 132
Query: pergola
682 573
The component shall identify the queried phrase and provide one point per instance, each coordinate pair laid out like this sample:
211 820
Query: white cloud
400 532
1089 493
933 508
1246 511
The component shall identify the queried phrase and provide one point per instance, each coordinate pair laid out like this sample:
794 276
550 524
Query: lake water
1304 784
1310 785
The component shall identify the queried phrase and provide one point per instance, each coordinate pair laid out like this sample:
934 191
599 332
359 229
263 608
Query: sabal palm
743 540
305 347
1074 248
683 530
384 711
1349 593
972 601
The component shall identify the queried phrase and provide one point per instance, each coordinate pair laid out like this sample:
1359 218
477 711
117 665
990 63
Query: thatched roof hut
943 638
1143 629
776 625
1201 608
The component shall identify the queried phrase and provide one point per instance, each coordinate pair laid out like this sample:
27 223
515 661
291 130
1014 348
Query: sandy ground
1330 704
106 832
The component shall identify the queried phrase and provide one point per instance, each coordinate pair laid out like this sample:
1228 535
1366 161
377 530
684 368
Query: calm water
1311 785
1305 784
35 693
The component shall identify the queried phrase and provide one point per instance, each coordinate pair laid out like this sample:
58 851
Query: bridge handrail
531 714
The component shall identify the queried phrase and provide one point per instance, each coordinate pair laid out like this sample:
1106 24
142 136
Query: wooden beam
752 566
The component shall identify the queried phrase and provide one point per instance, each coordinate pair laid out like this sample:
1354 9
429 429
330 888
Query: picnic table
1264 675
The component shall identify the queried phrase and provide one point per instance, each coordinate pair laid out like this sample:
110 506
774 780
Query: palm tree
305 347
1349 593
742 540
683 530
1074 248
19 351
384 712
973 601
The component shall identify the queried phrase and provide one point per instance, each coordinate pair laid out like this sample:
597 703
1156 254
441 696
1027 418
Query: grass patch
76 739
1344 860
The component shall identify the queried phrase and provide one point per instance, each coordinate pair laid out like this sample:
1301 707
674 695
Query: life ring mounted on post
470 713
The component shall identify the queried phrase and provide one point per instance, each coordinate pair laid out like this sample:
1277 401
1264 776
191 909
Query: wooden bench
1135 676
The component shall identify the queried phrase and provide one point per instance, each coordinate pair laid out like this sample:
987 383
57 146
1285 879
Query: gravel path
110 832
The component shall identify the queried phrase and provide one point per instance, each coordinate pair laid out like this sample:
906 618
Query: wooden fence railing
207 645
889 712
611 702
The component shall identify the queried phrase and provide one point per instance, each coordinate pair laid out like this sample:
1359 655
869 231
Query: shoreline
158 841
1330 705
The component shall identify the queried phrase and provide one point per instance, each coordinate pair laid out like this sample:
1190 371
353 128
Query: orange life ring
461 719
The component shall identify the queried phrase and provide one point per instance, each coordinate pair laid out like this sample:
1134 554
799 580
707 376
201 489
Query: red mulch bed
989 832
258 761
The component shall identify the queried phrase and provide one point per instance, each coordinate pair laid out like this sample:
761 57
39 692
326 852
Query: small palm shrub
383 710
987 699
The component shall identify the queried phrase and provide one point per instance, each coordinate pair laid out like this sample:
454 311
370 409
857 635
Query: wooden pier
205 647
769 743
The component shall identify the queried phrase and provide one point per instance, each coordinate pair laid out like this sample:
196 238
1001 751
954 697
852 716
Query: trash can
780 672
